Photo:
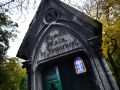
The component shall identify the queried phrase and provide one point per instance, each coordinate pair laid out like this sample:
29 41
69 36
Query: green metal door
52 79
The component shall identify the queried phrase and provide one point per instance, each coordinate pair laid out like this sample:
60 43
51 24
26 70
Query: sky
23 27
23 19
23 22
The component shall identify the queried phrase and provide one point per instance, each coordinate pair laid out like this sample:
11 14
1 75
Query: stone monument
62 50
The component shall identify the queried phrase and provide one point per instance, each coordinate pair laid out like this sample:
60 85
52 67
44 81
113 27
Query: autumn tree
23 83
12 75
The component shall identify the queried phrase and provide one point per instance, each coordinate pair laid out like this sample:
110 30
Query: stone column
27 65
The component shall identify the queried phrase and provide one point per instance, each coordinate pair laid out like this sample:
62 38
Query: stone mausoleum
62 50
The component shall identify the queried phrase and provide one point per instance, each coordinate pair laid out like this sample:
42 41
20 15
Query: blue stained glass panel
79 66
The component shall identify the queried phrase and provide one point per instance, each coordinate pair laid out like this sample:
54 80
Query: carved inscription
57 42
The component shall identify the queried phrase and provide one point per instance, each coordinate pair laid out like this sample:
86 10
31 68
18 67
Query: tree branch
6 3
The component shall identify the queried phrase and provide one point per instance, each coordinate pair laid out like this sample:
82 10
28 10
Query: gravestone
62 49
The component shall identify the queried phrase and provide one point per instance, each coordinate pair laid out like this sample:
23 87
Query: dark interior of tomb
65 77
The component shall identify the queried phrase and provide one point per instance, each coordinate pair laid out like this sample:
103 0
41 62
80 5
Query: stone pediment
52 12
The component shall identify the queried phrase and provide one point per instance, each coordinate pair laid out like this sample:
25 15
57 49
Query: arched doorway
70 72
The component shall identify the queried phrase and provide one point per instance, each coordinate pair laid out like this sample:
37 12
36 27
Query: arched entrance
70 72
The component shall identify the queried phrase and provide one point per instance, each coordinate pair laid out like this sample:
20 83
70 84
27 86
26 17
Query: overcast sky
23 20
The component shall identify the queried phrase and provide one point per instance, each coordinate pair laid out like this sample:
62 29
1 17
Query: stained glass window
79 66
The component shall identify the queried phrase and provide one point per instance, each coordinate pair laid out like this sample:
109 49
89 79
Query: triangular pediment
55 12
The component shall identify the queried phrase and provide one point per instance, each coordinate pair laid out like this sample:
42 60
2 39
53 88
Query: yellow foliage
110 34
